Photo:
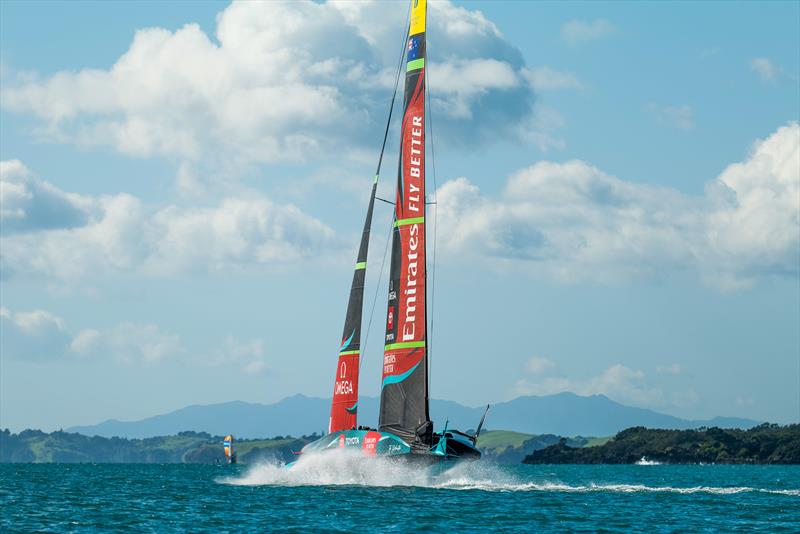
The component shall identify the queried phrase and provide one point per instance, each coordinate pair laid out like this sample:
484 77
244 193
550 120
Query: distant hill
507 447
200 447
764 444
567 414
35 446
564 414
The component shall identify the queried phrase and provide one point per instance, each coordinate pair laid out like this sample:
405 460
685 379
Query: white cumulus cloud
36 335
572 221
617 382
247 355
279 81
765 69
576 32
40 335
29 204
680 117
255 367
120 233
672 369
538 365
549 79
129 342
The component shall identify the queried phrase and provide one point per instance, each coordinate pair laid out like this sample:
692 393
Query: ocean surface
346 494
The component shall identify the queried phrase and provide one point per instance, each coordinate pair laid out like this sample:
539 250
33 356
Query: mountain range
564 414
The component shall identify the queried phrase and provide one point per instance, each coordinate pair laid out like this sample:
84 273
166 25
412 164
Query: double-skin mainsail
404 388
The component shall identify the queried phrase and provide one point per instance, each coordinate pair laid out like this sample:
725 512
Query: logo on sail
414 47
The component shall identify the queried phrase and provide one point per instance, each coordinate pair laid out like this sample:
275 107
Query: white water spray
343 467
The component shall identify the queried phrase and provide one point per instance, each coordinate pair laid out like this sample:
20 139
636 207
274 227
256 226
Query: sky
617 191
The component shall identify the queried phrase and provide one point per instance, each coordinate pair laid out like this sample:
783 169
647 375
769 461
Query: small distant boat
405 429
227 445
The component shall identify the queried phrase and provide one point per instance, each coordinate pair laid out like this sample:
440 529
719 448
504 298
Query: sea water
345 494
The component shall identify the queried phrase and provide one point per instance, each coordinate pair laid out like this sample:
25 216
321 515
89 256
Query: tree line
763 444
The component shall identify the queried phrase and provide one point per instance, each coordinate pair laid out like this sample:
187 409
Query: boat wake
639 488
644 461
341 468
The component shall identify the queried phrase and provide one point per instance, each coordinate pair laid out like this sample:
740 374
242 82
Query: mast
404 388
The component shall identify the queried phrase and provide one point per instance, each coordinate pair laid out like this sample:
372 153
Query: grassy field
500 439
596 442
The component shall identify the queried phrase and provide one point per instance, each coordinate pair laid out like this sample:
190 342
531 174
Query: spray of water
342 467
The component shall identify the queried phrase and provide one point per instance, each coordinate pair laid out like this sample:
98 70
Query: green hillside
186 447
505 446
764 444
500 439
596 442
200 447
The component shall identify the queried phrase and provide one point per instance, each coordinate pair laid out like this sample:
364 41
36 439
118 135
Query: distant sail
227 444
404 389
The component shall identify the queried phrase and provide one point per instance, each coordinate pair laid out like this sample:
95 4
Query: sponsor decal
344 383
341 440
388 364
413 47
370 443
343 387
413 206
390 318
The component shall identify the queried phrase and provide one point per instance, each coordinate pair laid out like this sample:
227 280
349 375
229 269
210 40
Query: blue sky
183 186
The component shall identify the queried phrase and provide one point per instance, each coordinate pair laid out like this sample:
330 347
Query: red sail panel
344 410
404 389
402 350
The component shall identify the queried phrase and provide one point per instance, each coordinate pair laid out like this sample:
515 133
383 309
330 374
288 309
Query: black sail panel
404 388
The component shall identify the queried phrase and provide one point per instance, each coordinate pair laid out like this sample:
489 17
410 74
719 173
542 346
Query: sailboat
405 429
227 444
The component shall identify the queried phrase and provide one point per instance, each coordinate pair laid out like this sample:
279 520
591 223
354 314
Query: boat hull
373 443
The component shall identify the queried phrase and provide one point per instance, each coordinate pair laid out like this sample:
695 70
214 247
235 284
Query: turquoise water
351 495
